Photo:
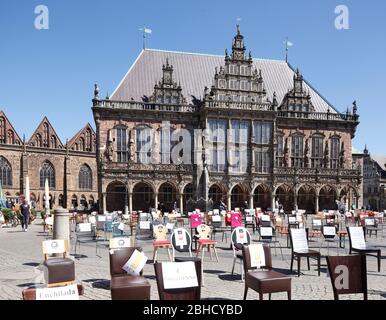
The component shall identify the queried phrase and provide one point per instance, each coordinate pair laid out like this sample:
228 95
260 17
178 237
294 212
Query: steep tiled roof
195 71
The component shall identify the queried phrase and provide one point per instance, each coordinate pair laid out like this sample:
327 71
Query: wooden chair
205 242
264 281
357 274
299 249
161 241
193 293
358 244
30 293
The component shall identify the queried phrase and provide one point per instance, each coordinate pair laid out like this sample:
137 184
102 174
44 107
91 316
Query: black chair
359 245
329 236
299 249
267 235
186 248
357 274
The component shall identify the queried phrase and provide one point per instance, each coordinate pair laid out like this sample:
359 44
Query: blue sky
52 72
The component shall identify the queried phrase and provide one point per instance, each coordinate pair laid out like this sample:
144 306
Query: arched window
54 142
297 150
85 178
82 146
5 172
47 171
10 137
2 130
335 151
39 141
317 151
46 135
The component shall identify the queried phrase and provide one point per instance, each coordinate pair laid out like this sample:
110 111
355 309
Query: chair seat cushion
268 281
307 253
159 243
59 270
206 241
128 287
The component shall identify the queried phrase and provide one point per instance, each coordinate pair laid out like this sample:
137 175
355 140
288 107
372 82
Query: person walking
25 211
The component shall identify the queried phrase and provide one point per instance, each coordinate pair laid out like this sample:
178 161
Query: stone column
104 202
229 202
130 203
317 203
182 204
62 225
156 201
251 201
273 202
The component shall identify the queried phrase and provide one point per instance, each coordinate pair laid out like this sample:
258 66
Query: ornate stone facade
70 168
267 135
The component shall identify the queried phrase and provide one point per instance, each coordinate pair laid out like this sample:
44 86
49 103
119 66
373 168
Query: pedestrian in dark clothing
25 211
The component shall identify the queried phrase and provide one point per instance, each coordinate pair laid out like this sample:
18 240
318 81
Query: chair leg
245 293
308 263
270 296
170 256
292 262
299 259
233 267
261 296
215 253
289 295
319 265
379 261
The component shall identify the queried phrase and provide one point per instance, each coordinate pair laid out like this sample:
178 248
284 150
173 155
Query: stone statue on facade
286 155
307 153
131 150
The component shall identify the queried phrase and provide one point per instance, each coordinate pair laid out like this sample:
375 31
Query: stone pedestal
62 225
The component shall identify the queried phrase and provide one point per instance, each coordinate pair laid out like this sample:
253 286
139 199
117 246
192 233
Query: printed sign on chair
177 275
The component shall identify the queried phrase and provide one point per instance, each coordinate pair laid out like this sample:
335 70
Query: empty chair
299 249
263 281
181 242
161 241
329 236
267 235
356 281
371 225
205 242
84 234
190 292
217 225
240 236
358 244
249 219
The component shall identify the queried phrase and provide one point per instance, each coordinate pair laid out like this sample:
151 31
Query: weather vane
288 44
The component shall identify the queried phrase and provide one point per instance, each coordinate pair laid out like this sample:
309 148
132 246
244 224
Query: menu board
357 237
299 240
177 275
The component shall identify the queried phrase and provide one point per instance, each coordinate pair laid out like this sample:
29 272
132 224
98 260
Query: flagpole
144 38
286 50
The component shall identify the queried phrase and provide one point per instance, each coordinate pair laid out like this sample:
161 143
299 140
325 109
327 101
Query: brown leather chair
368 251
178 294
59 271
264 281
124 286
357 274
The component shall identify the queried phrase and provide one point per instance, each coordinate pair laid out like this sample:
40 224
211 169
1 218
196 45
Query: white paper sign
116 243
170 226
49 221
265 218
121 226
329 231
216 211
54 246
216 218
84 227
136 263
178 275
144 225
58 293
299 240
180 236
292 219
357 238
143 215
370 222
317 222
241 236
266 232
101 218
248 219
92 220
256 252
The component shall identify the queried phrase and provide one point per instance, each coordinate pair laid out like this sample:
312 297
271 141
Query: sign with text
53 246
329 231
177 275
299 240
136 263
84 227
265 218
256 253
241 236
266 231
195 220
144 225
58 293
180 236
116 243
216 218
357 238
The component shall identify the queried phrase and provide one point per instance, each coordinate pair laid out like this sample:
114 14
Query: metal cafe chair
267 281
84 234
329 236
357 274
237 246
186 248
267 235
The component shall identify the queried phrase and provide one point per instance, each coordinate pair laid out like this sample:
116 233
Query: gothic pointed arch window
39 140
10 137
317 151
47 172
54 143
297 150
5 172
2 130
82 145
335 151
85 177
88 140
45 135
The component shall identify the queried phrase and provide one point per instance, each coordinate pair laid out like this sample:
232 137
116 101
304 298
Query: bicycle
14 221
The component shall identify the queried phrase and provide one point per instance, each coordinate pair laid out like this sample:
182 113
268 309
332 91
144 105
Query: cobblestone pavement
21 256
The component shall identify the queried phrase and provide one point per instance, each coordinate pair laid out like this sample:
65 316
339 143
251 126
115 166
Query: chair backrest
329 232
236 220
195 220
299 241
370 222
122 242
204 231
356 237
317 224
348 274
49 221
247 257
240 236
118 259
181 240
84 227
51 247
266 233
189 293
160 232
